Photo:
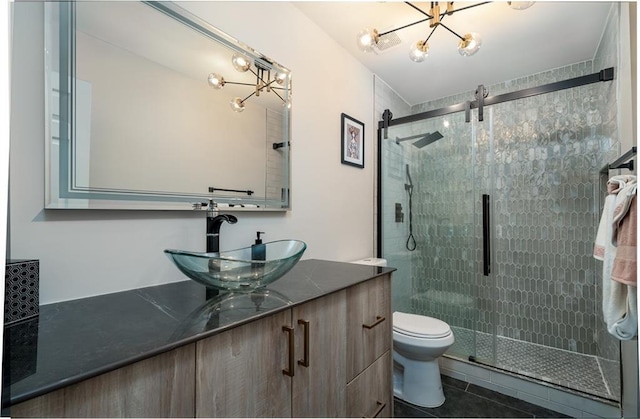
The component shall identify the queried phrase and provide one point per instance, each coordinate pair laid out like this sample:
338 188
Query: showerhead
428 139
424 139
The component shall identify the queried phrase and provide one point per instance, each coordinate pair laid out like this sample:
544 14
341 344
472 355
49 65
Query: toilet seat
419 326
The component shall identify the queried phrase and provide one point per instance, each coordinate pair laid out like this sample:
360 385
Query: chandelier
468 44
262 69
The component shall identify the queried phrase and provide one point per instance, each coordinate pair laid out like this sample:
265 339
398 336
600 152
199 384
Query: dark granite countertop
75 340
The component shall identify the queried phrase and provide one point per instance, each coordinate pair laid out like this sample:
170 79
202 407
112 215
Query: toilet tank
371 261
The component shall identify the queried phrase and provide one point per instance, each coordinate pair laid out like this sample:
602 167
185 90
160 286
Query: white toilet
418 341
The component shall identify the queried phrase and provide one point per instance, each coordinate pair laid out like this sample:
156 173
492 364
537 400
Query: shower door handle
486 235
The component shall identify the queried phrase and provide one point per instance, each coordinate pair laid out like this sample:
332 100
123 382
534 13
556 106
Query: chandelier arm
269 85
469 7
431 33
253 93
238 83
260 78
419 10
403 27
434 28
445 26
276 93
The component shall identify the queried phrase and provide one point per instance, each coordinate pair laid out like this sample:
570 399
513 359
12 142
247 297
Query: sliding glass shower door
538 160
429 209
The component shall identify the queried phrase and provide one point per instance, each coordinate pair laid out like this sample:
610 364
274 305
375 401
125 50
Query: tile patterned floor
568 369
464 400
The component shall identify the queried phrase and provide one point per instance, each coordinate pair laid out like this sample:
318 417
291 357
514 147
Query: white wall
91 252
172 136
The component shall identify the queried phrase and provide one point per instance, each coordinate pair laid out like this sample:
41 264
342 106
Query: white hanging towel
619 301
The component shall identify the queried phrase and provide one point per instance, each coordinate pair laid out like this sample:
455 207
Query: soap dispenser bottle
258 250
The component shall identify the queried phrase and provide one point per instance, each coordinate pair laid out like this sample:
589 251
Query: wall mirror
150 107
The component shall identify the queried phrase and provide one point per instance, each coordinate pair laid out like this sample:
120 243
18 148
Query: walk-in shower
504 212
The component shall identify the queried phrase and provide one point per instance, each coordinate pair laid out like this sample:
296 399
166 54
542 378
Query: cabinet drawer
368 323
369 394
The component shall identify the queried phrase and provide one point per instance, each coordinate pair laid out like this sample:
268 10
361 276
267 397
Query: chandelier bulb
237 105
419 51
240 63
215 81
470 44
367 39
281 77
520 5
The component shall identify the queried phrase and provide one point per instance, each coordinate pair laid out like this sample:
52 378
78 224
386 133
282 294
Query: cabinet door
369 394
369 323
50 405
319 381
161 386
239 373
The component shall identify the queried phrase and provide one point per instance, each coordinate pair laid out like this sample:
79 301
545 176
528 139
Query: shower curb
549 396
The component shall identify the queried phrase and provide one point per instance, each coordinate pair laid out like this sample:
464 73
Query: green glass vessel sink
234 270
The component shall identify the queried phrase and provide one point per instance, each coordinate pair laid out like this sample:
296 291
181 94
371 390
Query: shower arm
412 137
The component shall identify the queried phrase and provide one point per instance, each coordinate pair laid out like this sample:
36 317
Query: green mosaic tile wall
542 172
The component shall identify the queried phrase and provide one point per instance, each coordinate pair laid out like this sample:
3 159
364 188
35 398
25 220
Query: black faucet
214 221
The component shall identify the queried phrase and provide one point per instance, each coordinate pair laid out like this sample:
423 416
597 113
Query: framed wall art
352 141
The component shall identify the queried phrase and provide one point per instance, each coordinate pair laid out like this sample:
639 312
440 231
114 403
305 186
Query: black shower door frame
478 103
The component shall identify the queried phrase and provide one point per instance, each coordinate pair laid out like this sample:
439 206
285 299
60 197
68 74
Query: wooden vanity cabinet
161 386
290 364
340 358
369 342
329 357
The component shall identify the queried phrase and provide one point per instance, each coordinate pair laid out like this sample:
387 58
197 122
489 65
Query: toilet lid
419 326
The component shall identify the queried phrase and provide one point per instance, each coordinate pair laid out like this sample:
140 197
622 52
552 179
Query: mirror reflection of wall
154 127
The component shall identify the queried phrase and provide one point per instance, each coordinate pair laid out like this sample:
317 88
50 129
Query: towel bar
619 163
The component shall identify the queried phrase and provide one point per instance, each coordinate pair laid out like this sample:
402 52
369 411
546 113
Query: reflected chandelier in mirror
132 121
263 83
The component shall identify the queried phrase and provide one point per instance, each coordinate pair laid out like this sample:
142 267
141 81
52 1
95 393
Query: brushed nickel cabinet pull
379 319
305 361
379 408
292 349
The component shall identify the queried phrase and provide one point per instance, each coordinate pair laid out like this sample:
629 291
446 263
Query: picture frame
352 147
